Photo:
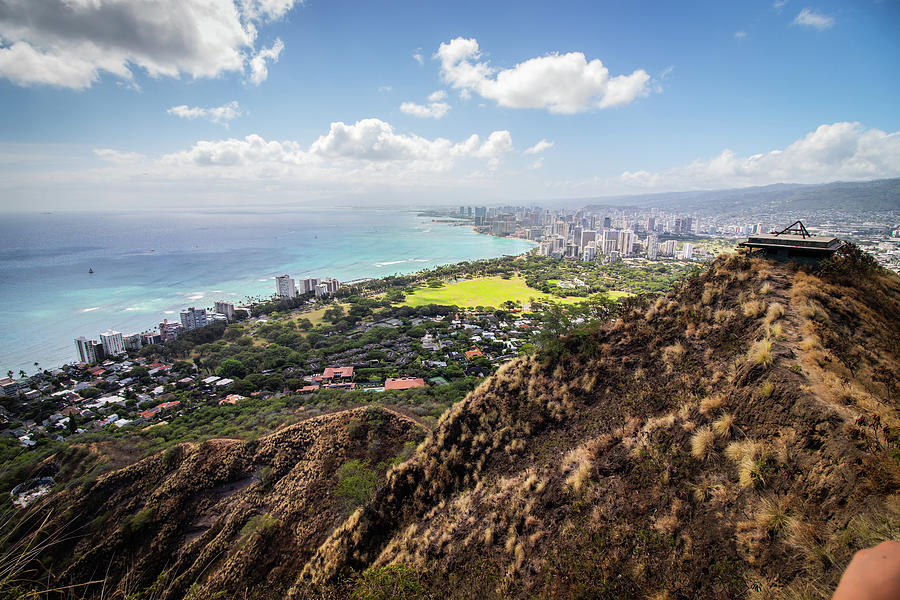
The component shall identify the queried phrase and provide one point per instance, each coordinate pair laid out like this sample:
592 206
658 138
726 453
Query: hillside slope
737 438
222 515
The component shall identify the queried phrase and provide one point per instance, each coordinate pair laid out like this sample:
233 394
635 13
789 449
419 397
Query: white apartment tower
225 308
113 343
285 287
85 349
652 246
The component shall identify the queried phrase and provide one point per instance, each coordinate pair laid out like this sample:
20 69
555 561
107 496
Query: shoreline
247 298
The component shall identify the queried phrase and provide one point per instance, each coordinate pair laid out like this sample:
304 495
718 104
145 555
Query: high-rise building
85 349
607 222
687 250
192 318
132 342
588 236
309 284
652 246
669 248
285 288
321 290
626 242
225 308
113 343
99 354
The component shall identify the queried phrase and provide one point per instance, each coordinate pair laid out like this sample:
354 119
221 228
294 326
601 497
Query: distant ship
91 270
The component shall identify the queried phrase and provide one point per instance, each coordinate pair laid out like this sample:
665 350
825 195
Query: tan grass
702 442
772 514
766 389
753 308
775 312
765 289
710 404
761 353
722 426
674 353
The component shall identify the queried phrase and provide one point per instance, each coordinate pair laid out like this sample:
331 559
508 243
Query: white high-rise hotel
285 287
113 343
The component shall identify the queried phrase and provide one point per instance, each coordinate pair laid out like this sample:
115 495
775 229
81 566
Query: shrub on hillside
849 262
356 482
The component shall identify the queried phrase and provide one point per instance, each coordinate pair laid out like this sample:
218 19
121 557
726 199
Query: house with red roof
338 373
403 383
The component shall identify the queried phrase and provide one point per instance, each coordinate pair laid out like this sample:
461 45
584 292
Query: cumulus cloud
779 4
366 144
740 35
259 72
70 43
811 18
837 151
560 83
435 110
216 114
539 147
417 56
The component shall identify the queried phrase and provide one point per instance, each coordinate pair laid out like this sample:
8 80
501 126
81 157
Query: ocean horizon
150 265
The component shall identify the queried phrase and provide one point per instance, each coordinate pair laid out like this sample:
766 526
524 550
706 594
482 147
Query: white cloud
537 164
369 144
560 83
740 35
117 157
216 114
259 72
437 96
539 147
70 43
385 88
779 4
811 18
417 56
434 110
837 151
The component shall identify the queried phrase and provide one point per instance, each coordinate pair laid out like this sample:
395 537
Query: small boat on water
91 270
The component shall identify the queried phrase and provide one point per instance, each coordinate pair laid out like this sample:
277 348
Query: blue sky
113 103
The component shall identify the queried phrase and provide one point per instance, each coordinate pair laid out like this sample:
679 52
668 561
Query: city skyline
350 103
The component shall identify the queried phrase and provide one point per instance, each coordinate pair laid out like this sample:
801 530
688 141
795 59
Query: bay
149 265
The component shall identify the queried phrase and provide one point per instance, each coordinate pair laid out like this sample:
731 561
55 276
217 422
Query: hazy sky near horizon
141 103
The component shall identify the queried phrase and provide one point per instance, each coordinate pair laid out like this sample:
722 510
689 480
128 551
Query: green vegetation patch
356 482
482 291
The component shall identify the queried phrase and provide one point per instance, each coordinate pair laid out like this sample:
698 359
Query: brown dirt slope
225 515
737 438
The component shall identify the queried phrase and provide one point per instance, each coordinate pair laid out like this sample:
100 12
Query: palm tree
9 373
21 372
37 366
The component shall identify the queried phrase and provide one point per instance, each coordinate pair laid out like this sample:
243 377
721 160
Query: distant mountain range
855 196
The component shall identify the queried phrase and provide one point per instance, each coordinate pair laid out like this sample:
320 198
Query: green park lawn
485 291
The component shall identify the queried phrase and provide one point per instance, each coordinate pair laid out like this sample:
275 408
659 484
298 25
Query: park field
485 291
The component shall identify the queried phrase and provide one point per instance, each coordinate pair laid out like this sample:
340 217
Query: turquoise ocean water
150 265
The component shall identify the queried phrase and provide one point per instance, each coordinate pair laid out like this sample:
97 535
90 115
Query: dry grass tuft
750 460
722 426
761 353
672 354
702 442
753 308
772 514
766 389
765 289
710 404
775 312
